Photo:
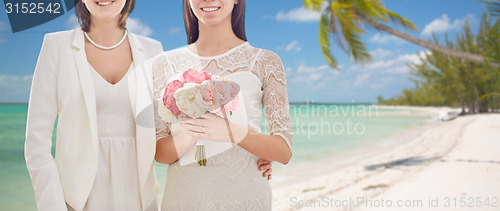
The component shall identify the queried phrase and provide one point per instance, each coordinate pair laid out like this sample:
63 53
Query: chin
214 21
107 17
211 23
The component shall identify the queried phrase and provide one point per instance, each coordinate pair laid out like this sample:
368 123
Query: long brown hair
83 14
237 21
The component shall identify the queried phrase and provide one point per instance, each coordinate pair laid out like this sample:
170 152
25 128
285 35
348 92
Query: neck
105 33
216 39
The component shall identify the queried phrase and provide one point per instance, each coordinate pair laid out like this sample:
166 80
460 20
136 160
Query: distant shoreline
332 103
13 103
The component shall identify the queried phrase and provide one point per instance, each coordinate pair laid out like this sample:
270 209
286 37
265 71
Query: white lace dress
231 180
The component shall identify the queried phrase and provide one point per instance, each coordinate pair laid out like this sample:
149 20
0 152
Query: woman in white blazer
83 81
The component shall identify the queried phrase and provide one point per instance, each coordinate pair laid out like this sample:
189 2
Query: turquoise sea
319 130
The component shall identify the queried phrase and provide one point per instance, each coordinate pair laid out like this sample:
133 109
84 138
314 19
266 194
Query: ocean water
318 132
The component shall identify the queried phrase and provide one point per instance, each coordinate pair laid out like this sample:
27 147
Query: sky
282 26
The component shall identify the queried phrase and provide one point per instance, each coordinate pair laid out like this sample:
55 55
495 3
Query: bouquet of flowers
194 93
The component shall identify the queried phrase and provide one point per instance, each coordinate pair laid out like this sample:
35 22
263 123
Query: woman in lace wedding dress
231 180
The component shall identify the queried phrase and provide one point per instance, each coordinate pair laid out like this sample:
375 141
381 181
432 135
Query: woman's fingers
197 135
265 167
193 128
261 162
267 173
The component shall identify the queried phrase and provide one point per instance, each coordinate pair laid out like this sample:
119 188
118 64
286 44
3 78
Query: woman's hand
266 166
214 128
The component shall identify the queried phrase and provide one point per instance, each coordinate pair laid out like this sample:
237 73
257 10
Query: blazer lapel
86 83
142 104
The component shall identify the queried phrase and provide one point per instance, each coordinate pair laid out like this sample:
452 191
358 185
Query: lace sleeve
275 98
160 80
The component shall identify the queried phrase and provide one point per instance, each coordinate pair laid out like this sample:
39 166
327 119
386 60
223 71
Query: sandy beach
452 165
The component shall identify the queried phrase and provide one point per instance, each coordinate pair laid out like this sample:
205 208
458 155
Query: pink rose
206 93
168 96
194 76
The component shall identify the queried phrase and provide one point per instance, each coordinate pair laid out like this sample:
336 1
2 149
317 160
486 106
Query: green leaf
493 6
351 30
314 5
324 40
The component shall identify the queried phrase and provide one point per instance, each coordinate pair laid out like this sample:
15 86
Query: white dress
116 186
231 180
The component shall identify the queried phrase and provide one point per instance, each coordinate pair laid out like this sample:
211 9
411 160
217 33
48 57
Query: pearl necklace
103 47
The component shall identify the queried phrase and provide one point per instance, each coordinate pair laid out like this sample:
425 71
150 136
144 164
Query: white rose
189 100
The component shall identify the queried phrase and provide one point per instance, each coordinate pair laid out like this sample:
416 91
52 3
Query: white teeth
210 9
104 3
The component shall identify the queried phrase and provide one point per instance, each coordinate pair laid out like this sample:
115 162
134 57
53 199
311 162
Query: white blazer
62 85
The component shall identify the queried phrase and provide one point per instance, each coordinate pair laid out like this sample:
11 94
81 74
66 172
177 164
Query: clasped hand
214 128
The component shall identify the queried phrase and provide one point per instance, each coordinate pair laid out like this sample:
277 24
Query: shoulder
60 36
269 65
176 53
265 55
162 59
268 58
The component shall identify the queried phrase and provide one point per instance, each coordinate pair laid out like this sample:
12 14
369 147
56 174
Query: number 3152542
33 8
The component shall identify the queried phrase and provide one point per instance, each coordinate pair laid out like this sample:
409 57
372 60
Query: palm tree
344 19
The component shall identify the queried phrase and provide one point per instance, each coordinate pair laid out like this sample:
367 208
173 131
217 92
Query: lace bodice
265 65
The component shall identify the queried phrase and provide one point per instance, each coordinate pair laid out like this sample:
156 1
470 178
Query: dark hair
237 20
83 14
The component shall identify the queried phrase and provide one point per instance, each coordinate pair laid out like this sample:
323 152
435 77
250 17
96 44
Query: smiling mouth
104 3
210 9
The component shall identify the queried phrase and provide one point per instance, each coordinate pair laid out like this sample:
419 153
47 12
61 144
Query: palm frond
334 27
324 40
399 20
314 5
384 15
493 6
351 31
369 8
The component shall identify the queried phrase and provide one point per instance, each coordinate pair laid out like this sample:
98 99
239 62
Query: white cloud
7 78
387 75
298 15
385 39
315 78
382 82
174 30
396 65
307 70
442 24
362 79
293 47
14 88
380 53
135 25
72 22
311 78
